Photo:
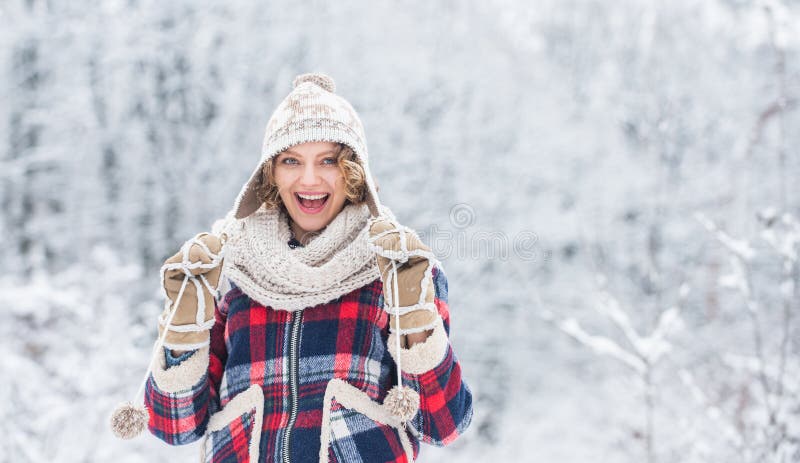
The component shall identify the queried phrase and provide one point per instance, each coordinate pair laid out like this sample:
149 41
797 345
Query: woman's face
311 185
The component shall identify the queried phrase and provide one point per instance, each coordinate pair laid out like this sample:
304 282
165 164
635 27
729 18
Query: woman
298 359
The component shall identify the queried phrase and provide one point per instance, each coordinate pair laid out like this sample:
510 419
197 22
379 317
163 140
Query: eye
329 161
289 161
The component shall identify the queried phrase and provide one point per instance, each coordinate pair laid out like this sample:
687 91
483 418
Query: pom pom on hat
317 78
128 420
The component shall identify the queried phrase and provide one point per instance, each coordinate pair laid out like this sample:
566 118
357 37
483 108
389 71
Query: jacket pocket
357 428
234 433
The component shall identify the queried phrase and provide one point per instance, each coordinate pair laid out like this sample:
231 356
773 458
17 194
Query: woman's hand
194 314
396 244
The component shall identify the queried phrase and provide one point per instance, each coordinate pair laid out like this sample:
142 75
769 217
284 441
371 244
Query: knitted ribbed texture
335 262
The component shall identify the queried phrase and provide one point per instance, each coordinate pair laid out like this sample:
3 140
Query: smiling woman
312 182
325 336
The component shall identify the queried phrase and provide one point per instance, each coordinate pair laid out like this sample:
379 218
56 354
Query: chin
311 225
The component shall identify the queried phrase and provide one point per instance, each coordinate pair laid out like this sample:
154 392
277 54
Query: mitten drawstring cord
396 299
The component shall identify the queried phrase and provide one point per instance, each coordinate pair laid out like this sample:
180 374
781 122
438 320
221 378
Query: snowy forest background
617 182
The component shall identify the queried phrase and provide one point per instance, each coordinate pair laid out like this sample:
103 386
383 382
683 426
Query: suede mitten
199 259
412 260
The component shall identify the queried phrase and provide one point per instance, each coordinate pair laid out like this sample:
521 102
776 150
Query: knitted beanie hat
311 112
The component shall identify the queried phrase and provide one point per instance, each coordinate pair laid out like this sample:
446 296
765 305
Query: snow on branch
741 248
645 350
601 345
786 241
610 307
754 365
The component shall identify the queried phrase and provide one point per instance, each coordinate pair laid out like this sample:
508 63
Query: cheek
336 181
282 179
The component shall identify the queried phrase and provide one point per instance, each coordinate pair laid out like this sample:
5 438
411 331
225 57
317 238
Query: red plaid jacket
308 386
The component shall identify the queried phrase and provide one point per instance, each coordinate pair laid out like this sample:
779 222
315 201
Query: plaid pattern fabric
346 339
355 437
231 443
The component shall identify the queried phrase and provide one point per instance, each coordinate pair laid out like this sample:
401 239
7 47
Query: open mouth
311 203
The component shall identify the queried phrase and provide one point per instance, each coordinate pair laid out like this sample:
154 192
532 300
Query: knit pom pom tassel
402 401
128 420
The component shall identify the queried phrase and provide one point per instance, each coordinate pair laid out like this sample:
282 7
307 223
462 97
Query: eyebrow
318 154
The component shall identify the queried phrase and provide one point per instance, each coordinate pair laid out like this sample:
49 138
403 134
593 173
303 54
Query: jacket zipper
293 367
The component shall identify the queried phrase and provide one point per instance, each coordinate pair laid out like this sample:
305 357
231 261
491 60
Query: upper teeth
320 196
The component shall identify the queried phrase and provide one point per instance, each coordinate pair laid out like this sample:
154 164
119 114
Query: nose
309 176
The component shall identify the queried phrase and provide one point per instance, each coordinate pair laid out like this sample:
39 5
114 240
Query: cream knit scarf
335 262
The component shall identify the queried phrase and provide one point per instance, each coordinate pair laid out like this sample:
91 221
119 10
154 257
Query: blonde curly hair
354 176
